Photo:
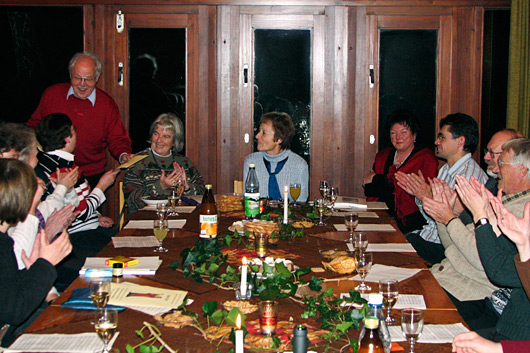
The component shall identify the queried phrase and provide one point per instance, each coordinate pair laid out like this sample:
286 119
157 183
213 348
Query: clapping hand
438 207
60 220
414 184
52 252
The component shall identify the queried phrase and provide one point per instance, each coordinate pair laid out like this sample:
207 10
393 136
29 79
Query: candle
285 204
244 269
240 344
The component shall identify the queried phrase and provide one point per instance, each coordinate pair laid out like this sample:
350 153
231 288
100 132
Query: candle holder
247 295
268 316
261 244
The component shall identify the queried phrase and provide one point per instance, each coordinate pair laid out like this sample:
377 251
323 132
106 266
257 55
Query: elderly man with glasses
94 114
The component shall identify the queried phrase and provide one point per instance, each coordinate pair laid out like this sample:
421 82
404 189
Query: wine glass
333 195
364 263
360 241
179 189
351 220
162 210
321 207
324 188
160 228
295 190
100 292
106 323
389 288
411 325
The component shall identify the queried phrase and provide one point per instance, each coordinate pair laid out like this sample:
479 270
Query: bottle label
251 204
208 226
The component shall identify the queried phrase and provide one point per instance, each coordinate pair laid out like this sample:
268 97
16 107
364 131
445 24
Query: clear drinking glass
162 210
321 207
333 195
160 228
364 264
360 241
179 190
295 190
324 188
389 288
100 292
351 220
106 324
411 325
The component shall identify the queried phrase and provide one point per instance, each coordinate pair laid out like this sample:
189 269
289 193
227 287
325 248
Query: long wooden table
55 319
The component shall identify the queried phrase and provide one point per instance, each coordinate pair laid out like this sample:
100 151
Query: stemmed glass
360 241
364 264
162 210
351 220
100 292
160 228
321 207
389 288
411 325
333 195
106 323
324 188
179 190
295 190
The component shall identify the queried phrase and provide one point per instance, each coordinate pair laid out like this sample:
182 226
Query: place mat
235 255
178 209
148 224
390 247
431 333
377 205
87 342
135 242
361 214
367 227
379 272
255 340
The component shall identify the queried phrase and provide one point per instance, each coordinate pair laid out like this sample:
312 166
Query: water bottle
251 193
375 310
300 339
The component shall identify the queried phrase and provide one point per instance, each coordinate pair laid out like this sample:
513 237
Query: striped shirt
465 166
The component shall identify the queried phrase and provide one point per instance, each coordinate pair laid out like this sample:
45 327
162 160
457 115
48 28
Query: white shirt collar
91 98
63 154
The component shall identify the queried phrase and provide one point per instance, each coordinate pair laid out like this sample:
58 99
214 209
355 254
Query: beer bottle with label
371 341
208 216
251 193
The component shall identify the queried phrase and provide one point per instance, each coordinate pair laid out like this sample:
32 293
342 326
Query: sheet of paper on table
379 272
377 205
410 301
149 241
148 224
361 214
147 265
72 343
178 209
149 310
389 247
431 333
367 227
127 295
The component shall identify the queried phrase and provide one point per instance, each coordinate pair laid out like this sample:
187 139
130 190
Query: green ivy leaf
208 308
228 240
129 348
231 318
218 316
344 326
174 265
140 333
315 284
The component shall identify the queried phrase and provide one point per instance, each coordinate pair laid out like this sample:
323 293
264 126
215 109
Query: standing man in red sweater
94 114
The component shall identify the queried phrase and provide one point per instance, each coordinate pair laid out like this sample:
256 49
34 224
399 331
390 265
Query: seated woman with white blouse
276 165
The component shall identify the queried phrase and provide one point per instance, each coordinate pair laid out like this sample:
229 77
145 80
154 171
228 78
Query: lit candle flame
238 321
286 188
245 262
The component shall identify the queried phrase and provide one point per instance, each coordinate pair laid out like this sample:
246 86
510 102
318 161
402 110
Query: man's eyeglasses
487 150
86 79
501 163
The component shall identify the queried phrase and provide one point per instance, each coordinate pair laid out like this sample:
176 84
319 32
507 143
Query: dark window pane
283 80
37 44
408 80
157 79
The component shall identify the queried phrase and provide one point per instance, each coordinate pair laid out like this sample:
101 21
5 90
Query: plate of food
154 200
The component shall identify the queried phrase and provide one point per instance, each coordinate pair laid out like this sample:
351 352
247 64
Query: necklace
399 163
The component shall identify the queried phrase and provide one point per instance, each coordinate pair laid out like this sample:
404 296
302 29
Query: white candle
240 344
285 204
244 269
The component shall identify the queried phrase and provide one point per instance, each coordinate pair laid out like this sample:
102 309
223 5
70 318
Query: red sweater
98 127
423 160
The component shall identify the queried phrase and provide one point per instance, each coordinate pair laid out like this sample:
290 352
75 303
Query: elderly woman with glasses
155 176
405 156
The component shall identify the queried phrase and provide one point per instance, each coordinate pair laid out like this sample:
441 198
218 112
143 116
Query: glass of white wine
389 288
295 190
333 195
179 190
351 220
364 264
320 205
411 325
100 292
106 324
323 188
160 228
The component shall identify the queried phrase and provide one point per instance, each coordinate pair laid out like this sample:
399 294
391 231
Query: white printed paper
68 343
431 333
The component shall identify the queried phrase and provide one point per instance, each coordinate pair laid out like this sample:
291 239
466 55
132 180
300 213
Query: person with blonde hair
164 167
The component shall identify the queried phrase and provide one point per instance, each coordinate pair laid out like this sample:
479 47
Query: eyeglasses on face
501 163
487 150
88 80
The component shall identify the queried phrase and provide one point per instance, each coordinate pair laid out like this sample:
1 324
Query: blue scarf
274 189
